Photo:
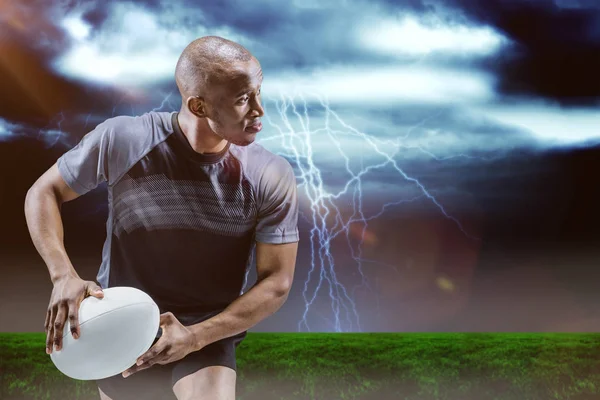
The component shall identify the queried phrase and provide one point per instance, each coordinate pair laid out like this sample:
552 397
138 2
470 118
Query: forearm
262 300
42 213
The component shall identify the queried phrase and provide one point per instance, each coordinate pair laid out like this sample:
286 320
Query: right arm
42 213
76 172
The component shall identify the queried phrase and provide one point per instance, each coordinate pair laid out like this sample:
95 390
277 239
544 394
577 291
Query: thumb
95 290
166 318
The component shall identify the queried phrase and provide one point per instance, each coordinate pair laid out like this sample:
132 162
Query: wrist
57 278
198 339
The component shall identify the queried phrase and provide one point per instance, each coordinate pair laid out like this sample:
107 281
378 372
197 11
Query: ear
197 106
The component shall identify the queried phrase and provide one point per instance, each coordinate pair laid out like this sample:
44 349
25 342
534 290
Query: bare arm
275 264
42 212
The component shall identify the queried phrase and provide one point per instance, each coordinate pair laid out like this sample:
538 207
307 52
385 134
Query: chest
162 191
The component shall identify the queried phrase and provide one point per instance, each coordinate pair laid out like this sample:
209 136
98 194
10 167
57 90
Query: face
234 105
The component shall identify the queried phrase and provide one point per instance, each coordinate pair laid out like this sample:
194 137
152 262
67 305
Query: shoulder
129 138
149 128
260 164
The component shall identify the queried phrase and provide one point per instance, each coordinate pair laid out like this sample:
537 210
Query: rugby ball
114 332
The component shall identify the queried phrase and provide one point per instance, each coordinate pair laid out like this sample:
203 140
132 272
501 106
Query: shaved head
208 61
220 84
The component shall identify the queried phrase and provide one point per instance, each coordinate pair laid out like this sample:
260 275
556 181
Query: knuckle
57 324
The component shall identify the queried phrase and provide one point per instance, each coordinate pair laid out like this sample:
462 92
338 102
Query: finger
135 369
144 363
59 324
74 319
50 335
47 320
152 353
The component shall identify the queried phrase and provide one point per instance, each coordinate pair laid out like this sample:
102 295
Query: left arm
275 264
277 221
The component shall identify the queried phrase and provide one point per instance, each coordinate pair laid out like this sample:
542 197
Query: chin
243 140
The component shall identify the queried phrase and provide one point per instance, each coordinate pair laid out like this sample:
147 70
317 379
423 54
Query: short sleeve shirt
182 225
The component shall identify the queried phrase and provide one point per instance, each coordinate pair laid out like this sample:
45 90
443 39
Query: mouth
254 128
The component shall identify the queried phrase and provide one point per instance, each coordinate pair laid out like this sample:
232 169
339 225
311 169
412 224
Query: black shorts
157 381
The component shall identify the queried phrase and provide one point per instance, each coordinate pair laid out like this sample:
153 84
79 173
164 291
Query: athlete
191 196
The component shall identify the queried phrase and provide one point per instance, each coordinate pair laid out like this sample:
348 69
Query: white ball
114 332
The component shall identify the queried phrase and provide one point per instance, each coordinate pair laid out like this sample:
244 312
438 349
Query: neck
199 134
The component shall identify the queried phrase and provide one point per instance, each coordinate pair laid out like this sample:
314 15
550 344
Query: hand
176 342
67 295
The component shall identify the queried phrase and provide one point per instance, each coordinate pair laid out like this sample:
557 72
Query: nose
257 110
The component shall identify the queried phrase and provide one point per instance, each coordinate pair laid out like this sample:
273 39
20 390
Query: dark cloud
34 94
557 51
96 16
519 198
30 25
248 18
30 92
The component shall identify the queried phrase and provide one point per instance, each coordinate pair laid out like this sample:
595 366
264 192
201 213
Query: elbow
282 288
33 194
34 191
34 197
30 197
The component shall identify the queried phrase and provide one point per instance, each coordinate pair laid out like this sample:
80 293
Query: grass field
465 366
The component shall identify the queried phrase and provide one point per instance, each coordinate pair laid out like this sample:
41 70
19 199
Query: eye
243 100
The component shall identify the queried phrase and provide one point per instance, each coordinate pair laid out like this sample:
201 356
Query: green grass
444 366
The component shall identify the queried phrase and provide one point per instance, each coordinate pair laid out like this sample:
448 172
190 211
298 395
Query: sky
439 147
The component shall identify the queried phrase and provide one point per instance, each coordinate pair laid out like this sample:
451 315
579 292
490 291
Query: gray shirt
182 226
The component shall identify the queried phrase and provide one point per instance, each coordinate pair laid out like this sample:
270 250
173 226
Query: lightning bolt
324 214
52 136
164 103
325 217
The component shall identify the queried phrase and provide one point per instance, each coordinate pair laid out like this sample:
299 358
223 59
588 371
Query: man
190 196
